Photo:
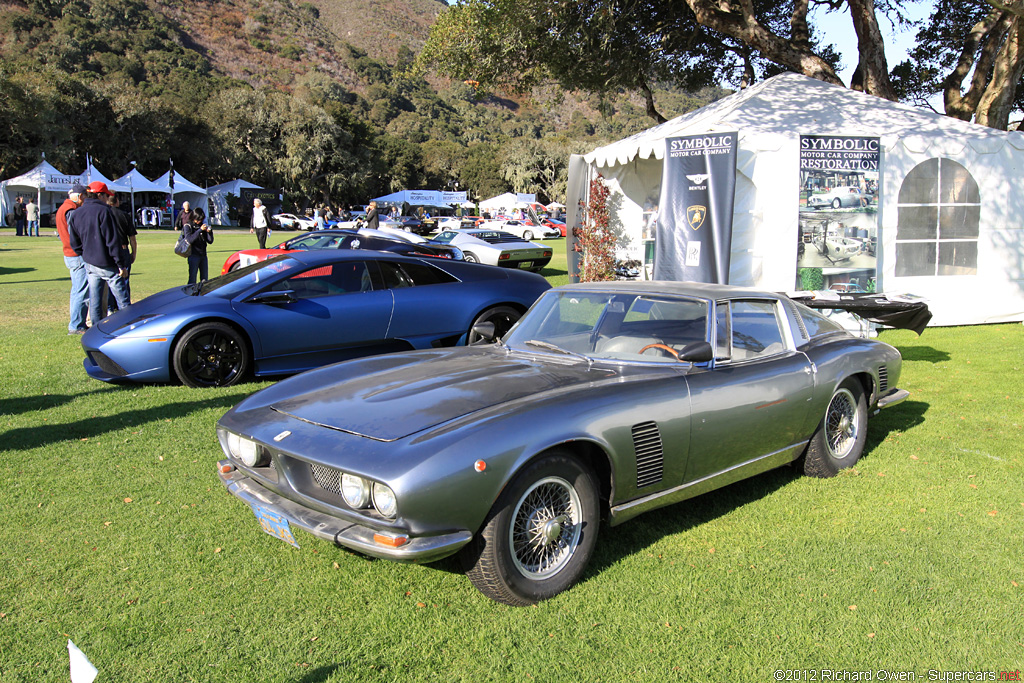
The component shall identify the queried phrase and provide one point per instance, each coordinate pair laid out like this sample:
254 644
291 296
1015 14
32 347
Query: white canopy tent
183 191
44 183
507 201
770 119
218 198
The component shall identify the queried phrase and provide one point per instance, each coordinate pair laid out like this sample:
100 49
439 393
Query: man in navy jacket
94 235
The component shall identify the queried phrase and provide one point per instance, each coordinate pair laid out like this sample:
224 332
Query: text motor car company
605 401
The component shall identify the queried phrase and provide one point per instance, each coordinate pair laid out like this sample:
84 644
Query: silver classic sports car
605 401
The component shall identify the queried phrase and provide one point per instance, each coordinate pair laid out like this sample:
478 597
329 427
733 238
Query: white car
523 229
839 197
291 221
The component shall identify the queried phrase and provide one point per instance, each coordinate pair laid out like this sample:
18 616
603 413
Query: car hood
441 386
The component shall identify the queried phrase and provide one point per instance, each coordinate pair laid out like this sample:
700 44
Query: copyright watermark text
802 675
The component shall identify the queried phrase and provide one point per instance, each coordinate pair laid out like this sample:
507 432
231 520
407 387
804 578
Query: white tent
980 279
218 198
48 186
91 174
507 201
183 191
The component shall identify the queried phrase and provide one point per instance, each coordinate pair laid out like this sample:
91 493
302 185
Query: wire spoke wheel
841 435
540 534
841 428
546 528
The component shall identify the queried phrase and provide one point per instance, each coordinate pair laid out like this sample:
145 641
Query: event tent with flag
934 211
507 201
218 199
48 186
183 191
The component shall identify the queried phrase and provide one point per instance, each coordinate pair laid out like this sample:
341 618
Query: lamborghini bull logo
695 216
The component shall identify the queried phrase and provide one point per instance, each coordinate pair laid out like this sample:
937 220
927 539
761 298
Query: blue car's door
430 304
333 313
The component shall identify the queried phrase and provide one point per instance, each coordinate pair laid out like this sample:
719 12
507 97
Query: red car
365 238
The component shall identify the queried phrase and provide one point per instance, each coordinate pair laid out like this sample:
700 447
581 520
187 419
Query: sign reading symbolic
698 187
695 216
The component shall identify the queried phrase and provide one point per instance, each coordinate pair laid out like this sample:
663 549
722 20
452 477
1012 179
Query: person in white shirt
260 222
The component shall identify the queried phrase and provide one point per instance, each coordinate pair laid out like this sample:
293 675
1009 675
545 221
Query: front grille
106 364
328 478
883 379
650 456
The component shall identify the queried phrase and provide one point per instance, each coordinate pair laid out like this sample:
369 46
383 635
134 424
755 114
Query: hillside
318 97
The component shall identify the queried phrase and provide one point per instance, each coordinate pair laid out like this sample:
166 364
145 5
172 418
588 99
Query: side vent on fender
883 379
650 455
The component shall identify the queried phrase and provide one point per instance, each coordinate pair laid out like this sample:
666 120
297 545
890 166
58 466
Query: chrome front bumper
356 537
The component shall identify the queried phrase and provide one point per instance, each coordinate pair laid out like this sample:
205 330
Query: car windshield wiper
558 349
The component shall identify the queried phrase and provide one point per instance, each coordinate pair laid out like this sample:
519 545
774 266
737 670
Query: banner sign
838 235
453 197
694 229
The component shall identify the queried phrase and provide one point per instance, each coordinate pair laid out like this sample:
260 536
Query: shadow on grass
319 674
12 271
27 438
925 353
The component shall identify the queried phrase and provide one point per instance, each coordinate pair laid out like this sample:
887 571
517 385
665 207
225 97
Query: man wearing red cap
74 262
94 235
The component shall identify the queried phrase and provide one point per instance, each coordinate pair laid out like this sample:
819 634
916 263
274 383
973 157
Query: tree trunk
874 71
736 18
988 33
997 102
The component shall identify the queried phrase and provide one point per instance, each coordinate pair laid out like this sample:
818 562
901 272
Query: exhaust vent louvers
650 455
883 379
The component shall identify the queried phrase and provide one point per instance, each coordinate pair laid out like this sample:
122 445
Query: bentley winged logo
698 178
695 216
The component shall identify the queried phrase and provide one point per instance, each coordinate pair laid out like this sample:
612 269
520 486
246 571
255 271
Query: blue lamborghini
301 311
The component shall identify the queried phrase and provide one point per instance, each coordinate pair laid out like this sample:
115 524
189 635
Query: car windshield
612 326
237 281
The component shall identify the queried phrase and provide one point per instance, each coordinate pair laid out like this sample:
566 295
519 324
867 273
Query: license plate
274 524
526 264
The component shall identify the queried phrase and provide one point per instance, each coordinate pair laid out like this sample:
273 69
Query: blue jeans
79 292
33 225
98 277
199 265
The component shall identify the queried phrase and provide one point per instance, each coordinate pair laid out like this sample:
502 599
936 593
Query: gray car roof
701 290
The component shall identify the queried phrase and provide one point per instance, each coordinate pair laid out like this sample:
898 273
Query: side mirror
286 296
486 331
697 352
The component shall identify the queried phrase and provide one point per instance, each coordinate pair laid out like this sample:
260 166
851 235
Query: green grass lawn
115 533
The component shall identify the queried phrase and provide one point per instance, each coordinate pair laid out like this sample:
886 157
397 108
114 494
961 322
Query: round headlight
247 452
231 444
355 490
384 501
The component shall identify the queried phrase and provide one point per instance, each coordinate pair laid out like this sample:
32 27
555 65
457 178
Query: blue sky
838 30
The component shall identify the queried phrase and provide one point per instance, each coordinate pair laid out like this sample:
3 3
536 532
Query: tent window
939 213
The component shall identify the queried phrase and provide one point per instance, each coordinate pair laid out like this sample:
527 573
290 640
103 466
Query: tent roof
181 184
502 200
139 182
790 104
92 174
233 186
44 177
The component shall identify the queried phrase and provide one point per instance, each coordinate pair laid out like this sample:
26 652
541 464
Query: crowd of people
100 245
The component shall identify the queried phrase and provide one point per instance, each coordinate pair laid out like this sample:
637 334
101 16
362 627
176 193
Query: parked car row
440 406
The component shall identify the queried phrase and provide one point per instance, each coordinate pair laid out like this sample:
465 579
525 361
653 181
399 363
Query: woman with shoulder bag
198 234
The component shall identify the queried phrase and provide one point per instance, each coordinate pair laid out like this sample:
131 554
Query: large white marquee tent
770 119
